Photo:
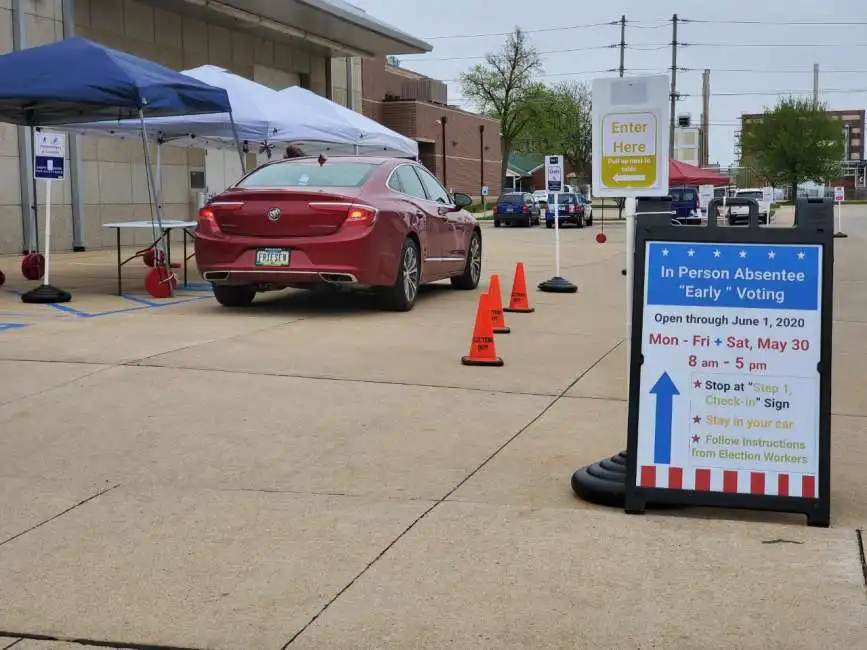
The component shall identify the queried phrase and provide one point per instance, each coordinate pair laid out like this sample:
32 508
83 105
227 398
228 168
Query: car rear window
562 199
683 196
750 195
512 198
309 174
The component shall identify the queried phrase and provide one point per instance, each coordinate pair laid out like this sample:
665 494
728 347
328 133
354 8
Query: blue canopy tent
76 80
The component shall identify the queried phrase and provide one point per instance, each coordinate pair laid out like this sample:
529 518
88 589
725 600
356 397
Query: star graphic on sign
801 255
716 253
695 438
743 254
697 383
690 252
665 252
771 255
696 419
718 342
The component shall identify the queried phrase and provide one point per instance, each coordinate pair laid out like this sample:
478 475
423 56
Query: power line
478 58
757 93
526 31
832 22
772 70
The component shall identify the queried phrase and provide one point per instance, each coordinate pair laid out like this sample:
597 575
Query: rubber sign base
730 371
558 285
45 294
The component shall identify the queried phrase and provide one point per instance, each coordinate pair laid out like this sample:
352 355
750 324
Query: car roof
371 160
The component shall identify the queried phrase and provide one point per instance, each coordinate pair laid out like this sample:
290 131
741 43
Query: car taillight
207 217
495 210
525 210
570 209
361 215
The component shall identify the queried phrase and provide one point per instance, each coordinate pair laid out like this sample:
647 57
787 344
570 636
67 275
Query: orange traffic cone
496 304
482 349
519 303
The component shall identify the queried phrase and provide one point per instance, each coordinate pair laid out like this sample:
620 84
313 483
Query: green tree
792 143
561 123
503 88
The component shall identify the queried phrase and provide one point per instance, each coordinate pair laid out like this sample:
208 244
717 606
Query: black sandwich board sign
730 375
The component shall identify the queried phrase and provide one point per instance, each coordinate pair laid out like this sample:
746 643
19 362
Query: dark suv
517 209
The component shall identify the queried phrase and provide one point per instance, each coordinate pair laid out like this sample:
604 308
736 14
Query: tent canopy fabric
369 135
76 80
680 173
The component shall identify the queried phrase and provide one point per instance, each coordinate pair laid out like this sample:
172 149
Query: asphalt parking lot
314 473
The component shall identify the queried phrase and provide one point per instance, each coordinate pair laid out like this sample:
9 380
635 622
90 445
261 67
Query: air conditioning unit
684 120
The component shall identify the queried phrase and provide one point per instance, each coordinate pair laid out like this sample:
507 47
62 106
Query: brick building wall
472 157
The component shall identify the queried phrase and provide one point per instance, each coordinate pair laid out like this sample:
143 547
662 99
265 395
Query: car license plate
272 257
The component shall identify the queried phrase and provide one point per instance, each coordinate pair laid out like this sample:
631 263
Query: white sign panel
484 190
49 155
729 387
705 195
839 194
554 173
630 136
767 198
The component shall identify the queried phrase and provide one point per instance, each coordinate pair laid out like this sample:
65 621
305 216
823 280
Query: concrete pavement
313 473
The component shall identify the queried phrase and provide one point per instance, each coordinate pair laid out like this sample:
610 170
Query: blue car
570 209
517 209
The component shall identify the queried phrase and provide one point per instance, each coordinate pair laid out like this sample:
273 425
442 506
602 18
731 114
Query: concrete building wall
112 171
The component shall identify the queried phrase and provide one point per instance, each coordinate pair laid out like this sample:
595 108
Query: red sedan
365 222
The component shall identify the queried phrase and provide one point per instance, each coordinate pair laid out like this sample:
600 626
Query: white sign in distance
49 155
705 196
767 199
630 136
554 173
484 190
839 194
731 340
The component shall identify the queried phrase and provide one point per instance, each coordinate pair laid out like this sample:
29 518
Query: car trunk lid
263 213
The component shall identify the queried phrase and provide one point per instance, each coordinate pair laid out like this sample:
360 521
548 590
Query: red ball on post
2 278
33 266
601 238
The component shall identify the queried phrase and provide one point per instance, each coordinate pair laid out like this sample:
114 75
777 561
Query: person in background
293 152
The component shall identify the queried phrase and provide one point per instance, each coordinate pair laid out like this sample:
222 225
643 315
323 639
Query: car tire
401 296
469 278
496 224
234 296
549 225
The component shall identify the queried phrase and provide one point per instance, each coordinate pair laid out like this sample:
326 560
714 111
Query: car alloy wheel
410 273
475 259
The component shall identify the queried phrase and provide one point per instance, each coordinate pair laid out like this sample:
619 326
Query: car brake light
207 217
525 210
570 209
362 215
495 210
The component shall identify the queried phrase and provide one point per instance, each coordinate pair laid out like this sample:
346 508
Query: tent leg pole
238 145
160 249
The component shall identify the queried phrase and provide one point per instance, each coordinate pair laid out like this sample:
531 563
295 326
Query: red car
384 223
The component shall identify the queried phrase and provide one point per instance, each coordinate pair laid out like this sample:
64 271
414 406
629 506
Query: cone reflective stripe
482 349
519 302
496 304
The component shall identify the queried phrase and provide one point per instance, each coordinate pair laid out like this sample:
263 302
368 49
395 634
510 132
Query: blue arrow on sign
665 390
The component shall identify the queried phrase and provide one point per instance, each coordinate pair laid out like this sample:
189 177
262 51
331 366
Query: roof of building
525 163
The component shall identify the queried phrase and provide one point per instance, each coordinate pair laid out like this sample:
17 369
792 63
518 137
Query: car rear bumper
513 218
336 259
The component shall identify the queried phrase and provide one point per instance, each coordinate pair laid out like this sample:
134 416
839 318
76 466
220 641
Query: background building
853 165
461 148
688 142
317 44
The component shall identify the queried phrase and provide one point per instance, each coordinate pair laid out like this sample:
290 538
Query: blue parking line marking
195 286
12 326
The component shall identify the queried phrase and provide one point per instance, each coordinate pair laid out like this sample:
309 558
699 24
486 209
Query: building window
855 142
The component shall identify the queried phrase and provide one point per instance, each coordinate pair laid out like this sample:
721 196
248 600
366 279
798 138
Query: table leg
184 231
168 236
119 264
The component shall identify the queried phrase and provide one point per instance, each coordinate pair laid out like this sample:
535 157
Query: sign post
49 165
839 196
767 201
554 175
484 198
705 196
730 391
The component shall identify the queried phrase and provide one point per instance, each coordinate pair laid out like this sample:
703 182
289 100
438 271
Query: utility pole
704 158
815 85
622 42
673 86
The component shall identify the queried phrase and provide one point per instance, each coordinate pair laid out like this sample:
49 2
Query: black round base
557 285
622 271
603 483
502 330
45 294
840 235
528 310
482 362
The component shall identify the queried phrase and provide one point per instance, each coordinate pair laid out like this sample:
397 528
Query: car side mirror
462 200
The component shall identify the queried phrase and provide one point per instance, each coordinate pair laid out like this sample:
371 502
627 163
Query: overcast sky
746 60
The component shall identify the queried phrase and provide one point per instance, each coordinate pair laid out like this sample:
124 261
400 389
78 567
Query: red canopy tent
680 173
